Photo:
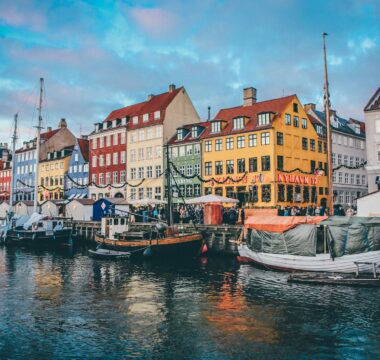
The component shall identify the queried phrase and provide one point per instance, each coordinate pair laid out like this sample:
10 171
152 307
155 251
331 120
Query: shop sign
297 179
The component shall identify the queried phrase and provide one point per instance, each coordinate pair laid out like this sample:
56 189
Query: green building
186 155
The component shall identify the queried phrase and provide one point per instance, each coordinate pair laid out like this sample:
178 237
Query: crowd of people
312 210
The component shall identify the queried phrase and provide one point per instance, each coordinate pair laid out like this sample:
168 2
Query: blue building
109 206
78 170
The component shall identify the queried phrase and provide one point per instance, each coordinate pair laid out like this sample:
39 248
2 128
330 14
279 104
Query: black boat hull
26 237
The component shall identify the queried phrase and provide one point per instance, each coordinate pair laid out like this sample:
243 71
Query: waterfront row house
25 159
128 145
5 179
185 152
372 121
267 141
349 152
78 171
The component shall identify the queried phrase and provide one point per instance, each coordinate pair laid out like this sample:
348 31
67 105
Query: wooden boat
160 241
108 254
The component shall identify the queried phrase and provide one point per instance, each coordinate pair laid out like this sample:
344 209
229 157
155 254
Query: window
304 123
241 142
345 160
304 143
93 161
265 193
115 176
218 145
94 143
357 179
339 159
263 119
145 117
133 173
218 167
208 168
149 192
197 149
141 193
158 131
345 141
122 157
319 146
312 144
197 189
351 161
295 121
289 193
108 140
194 132
149 133
182 151
215 127
363 180
141 172
157 192
281 192
179 134
189 190
115 158
280 138
295 107
157 115
108 159
189 170
253 164
312 165
189 150
265 163
122 176
141 135
197 169
241 165
149 172
238 123
346 178
340 177
208 146
108 178
280 162
229 143
101 179
352 178
135 120
158 171
252 140
319 129
93 178
101 141
288 119
230 167
265 138
122 138
158 151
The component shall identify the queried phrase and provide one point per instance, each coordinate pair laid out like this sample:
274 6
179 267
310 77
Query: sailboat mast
14 139
168 181
39 126
328 127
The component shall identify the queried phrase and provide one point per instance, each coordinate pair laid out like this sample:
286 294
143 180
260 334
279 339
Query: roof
115 201
374 102
71 147
26 202
44 136
84 148
188 137
155 103
85 201
275 105
343 124
369 194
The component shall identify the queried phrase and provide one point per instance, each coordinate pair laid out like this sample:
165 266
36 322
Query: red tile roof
374 102
156 103
251 111
84 148
314 120
188 137
44 136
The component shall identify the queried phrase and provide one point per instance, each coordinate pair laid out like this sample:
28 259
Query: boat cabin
114 225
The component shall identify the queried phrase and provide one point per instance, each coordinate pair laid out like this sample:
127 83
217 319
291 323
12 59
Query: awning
280 224
215 199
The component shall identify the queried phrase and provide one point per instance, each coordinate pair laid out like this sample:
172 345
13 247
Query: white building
369 205
80 209
372 121
4 208
24 207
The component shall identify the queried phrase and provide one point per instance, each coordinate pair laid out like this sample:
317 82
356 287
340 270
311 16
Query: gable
374 102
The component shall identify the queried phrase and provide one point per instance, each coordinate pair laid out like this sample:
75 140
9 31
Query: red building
5 179
108 158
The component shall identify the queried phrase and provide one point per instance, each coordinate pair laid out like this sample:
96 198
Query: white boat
319 262
304 244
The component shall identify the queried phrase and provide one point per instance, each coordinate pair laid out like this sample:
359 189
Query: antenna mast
14 139
328 127
39 127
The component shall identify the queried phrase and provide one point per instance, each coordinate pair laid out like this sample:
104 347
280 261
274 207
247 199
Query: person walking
242 216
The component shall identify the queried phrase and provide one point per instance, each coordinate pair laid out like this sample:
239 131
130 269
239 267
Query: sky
97 56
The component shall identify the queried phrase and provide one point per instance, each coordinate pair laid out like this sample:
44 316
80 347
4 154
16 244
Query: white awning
215 199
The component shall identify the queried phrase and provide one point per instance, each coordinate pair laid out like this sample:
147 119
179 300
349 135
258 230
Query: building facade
348 156
5 179
78 171
185 153
107 157
372 121
265 154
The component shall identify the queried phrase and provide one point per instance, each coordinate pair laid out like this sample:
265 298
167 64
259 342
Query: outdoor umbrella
215 199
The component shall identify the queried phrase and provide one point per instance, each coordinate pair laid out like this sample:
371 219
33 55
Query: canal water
62 304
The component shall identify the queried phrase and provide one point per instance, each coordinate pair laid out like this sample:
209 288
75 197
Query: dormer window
194 132
179 134
295 107
135 120
357 129
157 115
319 129
215 127
145 117
263 119
238 123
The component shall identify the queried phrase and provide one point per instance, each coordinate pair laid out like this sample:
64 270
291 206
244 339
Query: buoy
204 249
148 252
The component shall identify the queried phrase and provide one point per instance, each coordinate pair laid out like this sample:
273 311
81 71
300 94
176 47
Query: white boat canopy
145 202
215 199
35 217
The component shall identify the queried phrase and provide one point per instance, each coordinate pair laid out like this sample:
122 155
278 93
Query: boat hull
175 246
318 263
27 237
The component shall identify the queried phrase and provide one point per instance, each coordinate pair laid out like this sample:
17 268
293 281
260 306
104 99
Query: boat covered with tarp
320 244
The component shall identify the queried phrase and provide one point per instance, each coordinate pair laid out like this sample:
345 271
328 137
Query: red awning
280 224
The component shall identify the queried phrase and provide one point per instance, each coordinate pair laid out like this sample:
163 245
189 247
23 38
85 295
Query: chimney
150 96
209 113
171 88
309 106
249 96
49 128
62 123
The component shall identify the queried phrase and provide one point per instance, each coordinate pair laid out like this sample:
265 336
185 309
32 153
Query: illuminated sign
297 179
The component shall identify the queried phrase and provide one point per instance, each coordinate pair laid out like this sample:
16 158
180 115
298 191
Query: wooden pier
220 239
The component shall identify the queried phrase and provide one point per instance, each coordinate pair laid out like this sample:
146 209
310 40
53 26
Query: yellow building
52 175
266 154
